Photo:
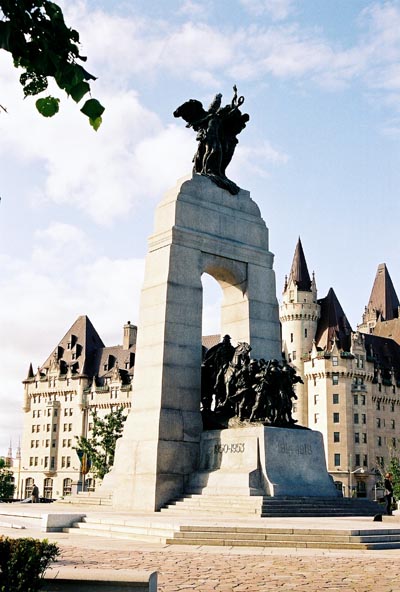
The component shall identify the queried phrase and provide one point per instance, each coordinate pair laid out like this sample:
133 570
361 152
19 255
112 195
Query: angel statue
216 129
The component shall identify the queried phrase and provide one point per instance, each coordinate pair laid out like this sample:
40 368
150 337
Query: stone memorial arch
199 227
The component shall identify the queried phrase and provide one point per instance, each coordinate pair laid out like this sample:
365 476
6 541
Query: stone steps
285 537
268 507
86 499
120 530
239 536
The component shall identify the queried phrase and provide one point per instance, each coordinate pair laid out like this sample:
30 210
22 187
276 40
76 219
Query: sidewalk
213 569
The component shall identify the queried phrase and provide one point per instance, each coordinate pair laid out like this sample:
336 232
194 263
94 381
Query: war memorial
216 424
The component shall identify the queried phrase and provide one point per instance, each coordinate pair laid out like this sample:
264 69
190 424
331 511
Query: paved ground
210 569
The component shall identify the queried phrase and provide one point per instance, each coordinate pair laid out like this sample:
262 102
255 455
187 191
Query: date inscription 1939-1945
234 447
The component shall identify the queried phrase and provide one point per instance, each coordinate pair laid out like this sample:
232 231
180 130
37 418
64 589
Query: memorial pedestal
260 460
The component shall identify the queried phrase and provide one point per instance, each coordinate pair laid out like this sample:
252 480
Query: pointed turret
333 325
30 372
299 314
383 303
299 272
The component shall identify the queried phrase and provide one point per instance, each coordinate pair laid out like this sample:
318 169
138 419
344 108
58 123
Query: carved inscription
295 450
235 448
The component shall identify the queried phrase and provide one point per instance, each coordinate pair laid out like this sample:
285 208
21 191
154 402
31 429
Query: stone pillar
199 228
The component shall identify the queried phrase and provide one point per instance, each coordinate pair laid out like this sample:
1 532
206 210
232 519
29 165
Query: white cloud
277 9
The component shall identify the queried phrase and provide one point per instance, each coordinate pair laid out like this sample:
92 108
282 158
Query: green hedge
23 563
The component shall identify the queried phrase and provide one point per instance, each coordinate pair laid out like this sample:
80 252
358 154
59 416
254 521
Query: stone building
81 375
351 390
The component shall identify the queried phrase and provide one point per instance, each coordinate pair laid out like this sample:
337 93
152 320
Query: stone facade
351 391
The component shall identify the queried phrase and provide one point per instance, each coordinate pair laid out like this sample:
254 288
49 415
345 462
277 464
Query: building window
54 427
70 427
335 398
336 436
316 417
68 461
379 440
378 405
52 462
335 378
335 361
355 399
305 332
48 427
62 461
32 443
392 407
336 418
293 355
337 460
357 459
316 398
392 424
356 418
365 460
362 399
53 443
363 418
291 338
394 442
67 486
48 488
65 427
364 438
46 461
356 439
378 422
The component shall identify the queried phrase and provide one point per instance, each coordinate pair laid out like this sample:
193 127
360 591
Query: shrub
23 563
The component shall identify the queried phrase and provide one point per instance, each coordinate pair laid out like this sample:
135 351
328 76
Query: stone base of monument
262 461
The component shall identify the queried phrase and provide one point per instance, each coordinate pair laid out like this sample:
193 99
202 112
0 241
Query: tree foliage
35 33
100 447
6 481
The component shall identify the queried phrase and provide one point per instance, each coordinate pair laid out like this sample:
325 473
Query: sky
320 156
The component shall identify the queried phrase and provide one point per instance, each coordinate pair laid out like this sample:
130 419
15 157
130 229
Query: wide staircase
228 534
270 507
86 498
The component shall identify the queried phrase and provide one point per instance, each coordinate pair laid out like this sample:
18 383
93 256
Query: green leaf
47 106
95 123
79 90
93 109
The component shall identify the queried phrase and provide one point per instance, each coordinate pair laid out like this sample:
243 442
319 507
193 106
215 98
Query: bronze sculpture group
216 130
234 385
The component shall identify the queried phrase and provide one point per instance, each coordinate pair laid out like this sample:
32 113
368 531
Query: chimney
130 333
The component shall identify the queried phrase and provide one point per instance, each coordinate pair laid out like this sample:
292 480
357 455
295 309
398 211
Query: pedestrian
35 494
389 493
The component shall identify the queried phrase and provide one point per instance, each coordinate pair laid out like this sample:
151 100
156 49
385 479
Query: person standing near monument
35 494
389 493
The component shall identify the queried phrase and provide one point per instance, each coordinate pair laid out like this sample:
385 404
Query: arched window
67 485
28 487
90 484
48 488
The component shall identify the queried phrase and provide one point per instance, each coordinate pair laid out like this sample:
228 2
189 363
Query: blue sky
320 156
